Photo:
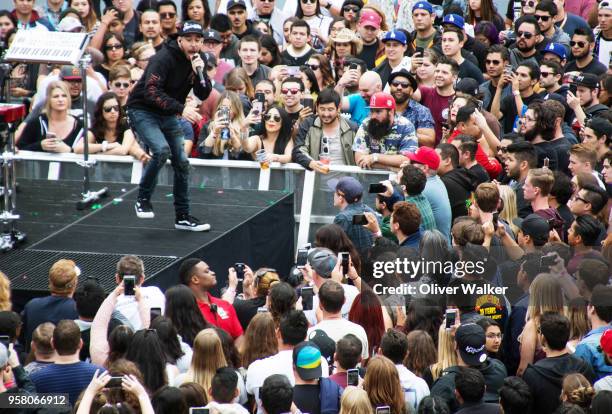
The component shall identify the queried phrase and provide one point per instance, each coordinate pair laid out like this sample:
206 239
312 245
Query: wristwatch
375 158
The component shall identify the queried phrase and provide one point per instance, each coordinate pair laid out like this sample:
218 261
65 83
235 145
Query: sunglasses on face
353 9
271 117
109 109
543 18
121 85
309 1
397 84
492 62
314 67
292 91
579 44
529 3
114 47
545 74
502 149
526 35
169 15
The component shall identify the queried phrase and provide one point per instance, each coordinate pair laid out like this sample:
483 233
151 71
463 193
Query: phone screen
129 281
352 377
307 295
383 410
155 312
198 410
302 256
451 315
344 256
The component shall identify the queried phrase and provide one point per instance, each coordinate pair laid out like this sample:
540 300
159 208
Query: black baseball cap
534 226
236 3
191 27
211 34
469 86
404 74
471 341
588 80
325 344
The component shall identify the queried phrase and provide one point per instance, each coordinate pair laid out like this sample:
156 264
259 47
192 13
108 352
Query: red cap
382 100
606 342
370 18
425 155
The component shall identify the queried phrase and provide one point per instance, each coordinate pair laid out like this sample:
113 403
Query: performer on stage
155 104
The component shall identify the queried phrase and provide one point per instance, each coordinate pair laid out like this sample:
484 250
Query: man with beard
527 34
150 27
585 103
523 80
582 45
384 136
545 13
402 85
521 157
327 134
538 127
497 59
458 181
357 104
438 98
551 75
237 13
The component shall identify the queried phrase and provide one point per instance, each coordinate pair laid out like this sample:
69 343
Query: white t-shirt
336 329
415 388
350 293
281 363
126 308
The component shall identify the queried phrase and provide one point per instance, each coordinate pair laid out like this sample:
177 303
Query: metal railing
313 195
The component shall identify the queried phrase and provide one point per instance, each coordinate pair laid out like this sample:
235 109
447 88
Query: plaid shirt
400 138
427 218
361 237
419 115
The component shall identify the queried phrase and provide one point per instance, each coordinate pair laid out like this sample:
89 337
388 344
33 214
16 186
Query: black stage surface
254 227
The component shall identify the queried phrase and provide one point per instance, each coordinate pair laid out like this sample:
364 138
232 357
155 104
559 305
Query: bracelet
104 146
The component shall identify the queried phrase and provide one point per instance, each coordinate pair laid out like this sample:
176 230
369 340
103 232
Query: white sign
37 46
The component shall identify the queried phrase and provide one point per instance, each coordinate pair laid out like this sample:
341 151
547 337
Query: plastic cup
262 157
325 160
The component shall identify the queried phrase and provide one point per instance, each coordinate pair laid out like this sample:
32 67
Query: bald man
358 104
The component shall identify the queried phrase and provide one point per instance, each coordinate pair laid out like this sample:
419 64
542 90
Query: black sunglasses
397 83
109 109
270 117
579 44
526 35
492 62
116 46
353 9
543 18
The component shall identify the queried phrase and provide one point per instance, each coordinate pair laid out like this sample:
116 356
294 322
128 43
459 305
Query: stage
254 227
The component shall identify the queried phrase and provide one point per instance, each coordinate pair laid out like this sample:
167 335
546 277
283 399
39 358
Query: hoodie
493 372
164 86
545 378
459 184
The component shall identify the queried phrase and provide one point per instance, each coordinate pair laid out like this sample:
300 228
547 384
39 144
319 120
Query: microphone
203 83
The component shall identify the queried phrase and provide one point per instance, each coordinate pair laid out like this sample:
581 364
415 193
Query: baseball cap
190 27
556 49
382 100
3 355
588 80
211 34
236 3
70 72
606 342
210 59
396 35
322 261
455 20
471 342
358 3
468 86
404 74
423 5
605 4
370 18
350 187
425 155
534 226
68 24
325 344
307 360
391 200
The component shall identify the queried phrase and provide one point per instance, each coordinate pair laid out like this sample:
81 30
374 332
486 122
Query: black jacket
166 82
545 378
459 184
479 408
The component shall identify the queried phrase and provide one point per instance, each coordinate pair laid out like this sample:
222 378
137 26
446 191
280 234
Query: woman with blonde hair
259 339
207 358
579 321
237 80
510 211
5 293
215 142
383 386
355 401
447 357
545 295
140 53
255 288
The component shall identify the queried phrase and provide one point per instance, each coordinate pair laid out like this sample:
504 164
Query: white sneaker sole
201 227
144 215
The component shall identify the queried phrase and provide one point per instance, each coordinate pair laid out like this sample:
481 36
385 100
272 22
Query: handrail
56 160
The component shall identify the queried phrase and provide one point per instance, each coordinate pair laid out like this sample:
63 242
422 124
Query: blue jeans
164 137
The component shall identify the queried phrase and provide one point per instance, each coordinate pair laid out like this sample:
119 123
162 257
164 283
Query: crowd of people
478 281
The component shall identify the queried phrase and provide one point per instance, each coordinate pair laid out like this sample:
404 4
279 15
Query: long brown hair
488 12
383 386
259 339
326 73
421 352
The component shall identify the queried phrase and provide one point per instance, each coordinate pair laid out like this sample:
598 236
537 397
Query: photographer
585 102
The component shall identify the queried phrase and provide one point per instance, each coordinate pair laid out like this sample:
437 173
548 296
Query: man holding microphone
154 108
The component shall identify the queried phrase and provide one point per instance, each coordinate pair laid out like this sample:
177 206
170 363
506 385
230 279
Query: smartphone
573 88
307 295
302 257
451 316
129 281
262 309
239 268
155 312
5 340
377 188
258 104
495 220
508 70
385 409
114 382
360 219
344 257
352 377
546 162
50 135
198 410
293 71
308 102
419 51
354 66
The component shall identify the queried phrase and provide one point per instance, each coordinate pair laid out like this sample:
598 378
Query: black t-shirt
508 108
368 55
562 146
306 398
547 150
480 173
468 70
595 67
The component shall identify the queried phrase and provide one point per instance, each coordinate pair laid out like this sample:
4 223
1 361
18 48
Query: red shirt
225 316
492 166
437 105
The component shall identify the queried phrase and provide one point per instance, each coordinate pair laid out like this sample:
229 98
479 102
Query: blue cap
423 5
455 20
556 49
396 35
